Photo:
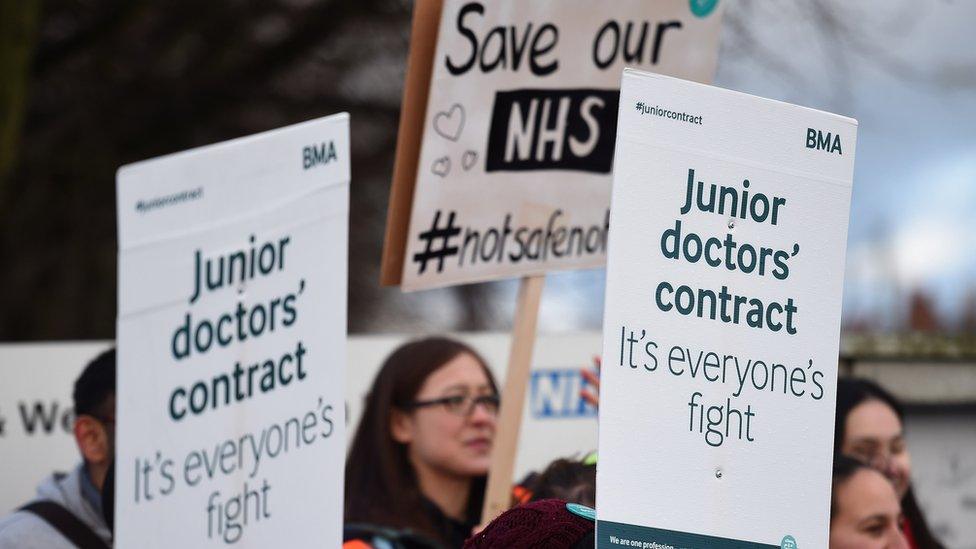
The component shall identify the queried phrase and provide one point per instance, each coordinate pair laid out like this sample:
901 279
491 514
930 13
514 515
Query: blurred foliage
112 82
18 24
91 85
914 345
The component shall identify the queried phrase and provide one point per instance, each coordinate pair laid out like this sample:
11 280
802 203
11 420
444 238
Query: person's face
451 440
95 436
873 434
867 514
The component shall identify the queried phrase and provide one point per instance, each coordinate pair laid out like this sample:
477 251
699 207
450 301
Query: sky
907 71
904 71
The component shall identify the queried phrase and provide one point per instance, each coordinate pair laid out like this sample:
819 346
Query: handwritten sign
507 172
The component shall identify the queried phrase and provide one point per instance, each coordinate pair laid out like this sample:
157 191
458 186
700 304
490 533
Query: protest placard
506 136
505 148
231 342
722 320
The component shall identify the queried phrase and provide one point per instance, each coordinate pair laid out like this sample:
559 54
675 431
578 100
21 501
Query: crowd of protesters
417 466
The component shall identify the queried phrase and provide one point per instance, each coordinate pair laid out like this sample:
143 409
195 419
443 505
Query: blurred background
90 85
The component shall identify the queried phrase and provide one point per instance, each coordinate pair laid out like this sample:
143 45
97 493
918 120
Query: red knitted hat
544 524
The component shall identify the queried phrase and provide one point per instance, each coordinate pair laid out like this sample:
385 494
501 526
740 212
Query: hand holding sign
592 379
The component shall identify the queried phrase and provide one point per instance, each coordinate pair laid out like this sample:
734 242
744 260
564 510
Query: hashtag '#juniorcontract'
439 235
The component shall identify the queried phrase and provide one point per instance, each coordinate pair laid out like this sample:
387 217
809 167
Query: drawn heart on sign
450 123
442 166
468 159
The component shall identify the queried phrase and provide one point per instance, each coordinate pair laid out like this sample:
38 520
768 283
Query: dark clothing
447 532
449 529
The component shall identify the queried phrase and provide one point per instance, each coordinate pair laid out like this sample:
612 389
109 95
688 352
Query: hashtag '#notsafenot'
439 235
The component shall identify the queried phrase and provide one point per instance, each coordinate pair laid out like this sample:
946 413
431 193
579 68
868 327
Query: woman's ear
401 427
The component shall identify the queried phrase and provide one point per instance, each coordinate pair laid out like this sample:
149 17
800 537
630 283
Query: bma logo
556 394
313 155
819 140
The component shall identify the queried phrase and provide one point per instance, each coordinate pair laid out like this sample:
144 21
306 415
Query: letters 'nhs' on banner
516 145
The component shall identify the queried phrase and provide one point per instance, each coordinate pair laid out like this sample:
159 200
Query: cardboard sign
231 342
503 168
722 321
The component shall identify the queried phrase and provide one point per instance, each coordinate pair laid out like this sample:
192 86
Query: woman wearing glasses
870 427
420 455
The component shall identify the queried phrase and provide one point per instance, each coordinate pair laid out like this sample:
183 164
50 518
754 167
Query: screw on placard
718 473
731 224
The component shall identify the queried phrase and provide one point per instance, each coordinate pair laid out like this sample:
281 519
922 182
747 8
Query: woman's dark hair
844 469
569 480
851 392
381 485
95 387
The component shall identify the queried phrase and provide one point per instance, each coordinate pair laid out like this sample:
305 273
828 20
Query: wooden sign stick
498 494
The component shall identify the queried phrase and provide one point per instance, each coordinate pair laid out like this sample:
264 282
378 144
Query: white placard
514 167
722 320
231 335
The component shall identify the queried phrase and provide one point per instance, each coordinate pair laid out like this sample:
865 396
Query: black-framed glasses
461 405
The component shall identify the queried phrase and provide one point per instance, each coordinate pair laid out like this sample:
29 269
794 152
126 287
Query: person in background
870 427
864 509
68 508
553 509
570 480
420 455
